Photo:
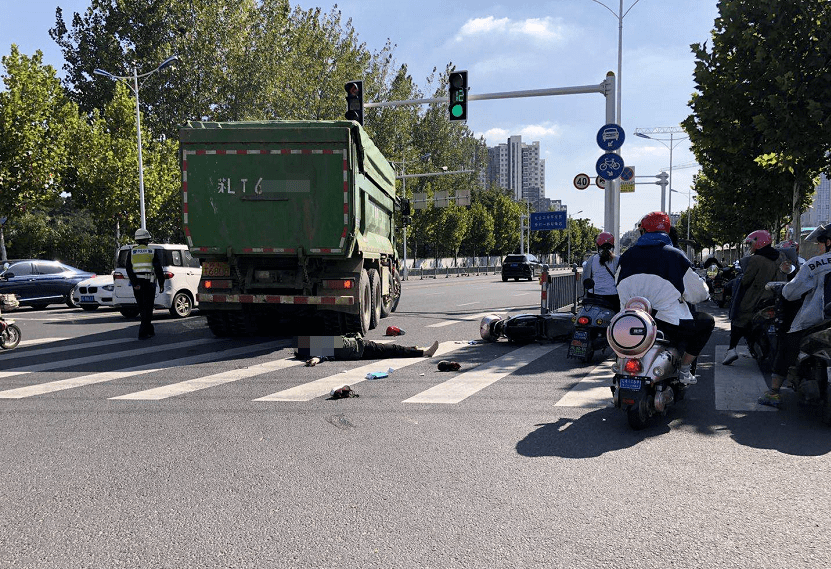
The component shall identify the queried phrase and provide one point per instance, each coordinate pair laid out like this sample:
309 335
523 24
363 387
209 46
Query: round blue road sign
627 174
610 137
609 166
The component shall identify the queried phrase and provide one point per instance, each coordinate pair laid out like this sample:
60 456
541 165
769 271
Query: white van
182 275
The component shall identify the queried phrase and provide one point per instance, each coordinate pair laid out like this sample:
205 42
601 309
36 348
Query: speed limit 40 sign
582 181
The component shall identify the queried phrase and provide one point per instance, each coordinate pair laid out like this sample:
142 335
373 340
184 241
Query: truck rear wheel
375 287
360 322
218 324
390 302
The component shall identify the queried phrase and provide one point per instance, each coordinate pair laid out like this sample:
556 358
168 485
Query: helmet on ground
758 239
655 222
605 238
142 234
820 234
486 327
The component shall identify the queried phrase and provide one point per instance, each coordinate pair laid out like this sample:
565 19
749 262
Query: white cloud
530 133
540 29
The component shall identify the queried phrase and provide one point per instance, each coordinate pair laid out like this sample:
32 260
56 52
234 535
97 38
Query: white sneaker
686 377
730 357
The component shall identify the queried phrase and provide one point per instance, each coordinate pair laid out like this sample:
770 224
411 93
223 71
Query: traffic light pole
611 219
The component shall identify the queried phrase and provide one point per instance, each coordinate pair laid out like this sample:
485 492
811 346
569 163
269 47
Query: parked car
39 283
525 266
94 292
182 275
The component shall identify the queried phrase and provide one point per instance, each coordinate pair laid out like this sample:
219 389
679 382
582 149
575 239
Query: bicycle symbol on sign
610 165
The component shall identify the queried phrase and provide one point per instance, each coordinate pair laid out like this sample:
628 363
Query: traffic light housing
457 83
355 101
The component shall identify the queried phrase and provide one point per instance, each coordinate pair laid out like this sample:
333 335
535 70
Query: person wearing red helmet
759 269
654 269
601 268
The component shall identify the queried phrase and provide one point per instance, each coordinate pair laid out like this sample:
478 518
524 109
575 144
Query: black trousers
378 351
694 333
145 294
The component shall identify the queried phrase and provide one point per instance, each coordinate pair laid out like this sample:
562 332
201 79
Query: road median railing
560 289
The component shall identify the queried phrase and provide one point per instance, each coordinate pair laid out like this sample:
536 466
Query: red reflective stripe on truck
275 299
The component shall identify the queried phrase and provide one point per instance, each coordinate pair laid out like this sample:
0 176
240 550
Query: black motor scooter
590 325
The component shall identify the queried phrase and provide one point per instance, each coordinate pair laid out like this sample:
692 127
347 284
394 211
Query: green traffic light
457 110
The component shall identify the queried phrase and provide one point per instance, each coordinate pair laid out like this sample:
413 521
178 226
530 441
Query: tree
37 122
761 114
480 236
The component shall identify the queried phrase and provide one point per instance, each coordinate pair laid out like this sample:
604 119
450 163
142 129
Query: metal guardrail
446 272
560 290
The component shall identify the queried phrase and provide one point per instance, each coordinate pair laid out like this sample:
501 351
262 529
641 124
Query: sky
517 46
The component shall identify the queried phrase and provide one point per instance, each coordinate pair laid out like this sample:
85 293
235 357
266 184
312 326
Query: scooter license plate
577 349
630 383
581 334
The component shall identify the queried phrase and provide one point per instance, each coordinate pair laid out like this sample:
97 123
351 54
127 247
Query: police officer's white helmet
142 234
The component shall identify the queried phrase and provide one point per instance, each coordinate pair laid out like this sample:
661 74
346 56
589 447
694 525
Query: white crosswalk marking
104 357
57 349
324 385
739 385
466 384
593 390
102 377
37 341
207 381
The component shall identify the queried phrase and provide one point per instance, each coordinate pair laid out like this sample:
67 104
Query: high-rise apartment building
517 167
820 210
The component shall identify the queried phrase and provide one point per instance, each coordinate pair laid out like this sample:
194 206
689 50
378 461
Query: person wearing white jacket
657 271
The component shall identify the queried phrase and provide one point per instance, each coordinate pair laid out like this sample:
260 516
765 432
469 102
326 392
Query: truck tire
360 322
390 302
375 287
218 323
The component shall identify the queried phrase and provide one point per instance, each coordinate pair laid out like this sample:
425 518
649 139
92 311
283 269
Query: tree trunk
797 221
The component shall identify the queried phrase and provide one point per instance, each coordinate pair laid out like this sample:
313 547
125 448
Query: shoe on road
730 357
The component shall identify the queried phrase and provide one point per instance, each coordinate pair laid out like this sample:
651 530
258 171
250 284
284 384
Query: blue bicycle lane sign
609 166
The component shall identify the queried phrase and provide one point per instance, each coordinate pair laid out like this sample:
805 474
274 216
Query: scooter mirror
588 283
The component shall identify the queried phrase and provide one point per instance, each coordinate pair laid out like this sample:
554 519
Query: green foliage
37 123
761 113
64 234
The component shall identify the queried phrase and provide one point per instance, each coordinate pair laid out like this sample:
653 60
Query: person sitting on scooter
662 274
601 268
759 270
809 281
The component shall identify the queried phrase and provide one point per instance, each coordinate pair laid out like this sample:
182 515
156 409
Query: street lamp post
671 130
569 236
133 84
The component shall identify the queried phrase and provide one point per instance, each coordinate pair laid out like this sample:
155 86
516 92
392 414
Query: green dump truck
290 219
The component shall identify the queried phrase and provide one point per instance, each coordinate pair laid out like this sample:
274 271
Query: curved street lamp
672 130
132 82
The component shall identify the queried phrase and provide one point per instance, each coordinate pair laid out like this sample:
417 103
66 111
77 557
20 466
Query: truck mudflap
275 299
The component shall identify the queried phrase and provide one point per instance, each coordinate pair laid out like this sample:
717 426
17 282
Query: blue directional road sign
609 166
548 220
610 137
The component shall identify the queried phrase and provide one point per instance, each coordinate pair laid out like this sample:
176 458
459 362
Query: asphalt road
191 451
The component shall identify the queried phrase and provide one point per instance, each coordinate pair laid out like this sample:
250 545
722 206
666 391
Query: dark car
524 266
39 283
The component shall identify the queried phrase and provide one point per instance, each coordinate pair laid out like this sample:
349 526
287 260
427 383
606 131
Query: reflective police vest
142 258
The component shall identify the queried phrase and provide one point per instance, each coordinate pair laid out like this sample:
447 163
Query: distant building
820 210
517 167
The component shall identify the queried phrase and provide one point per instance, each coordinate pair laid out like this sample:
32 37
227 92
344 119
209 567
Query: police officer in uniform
144 269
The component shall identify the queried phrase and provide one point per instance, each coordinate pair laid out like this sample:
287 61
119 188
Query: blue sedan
39 283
